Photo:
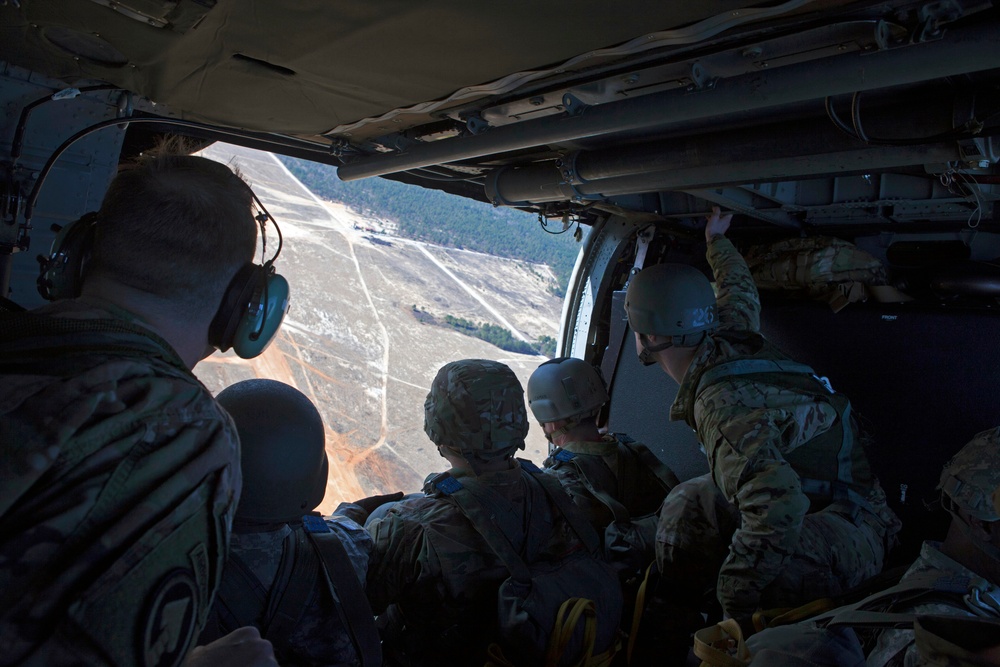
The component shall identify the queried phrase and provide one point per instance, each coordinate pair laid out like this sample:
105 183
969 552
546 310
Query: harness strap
872 619
570 512
867 611
294 582
663 473
341 578
751 367
484 524
837 490
589 469
241 598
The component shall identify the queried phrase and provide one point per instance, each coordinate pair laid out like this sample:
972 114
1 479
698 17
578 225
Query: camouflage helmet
476 407
282 450
972 476
670 300
564 388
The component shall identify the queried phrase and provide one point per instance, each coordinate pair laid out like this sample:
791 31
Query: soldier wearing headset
120 471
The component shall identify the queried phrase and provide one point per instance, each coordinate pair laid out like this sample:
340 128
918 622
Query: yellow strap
776 617
570 613
764 618
568 617
496 658
714 645
640 604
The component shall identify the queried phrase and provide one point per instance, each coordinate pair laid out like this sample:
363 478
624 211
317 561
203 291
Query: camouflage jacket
119 476
437 576
319 637
749 428
897 647
621 474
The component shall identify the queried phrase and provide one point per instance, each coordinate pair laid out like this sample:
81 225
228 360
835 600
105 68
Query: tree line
491 333
437 217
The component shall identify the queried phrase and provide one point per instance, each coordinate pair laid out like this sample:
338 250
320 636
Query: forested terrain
491 333
447 220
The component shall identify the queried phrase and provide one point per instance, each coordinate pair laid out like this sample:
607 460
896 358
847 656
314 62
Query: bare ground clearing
350 341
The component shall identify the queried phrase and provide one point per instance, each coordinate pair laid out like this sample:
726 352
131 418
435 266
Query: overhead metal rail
960 51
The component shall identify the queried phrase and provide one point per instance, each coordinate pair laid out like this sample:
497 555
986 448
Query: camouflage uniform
433 579
897 647
319 636
431 564
118 489
624 477
966 481
750 517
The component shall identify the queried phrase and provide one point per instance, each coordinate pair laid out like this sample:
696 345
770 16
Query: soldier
120 471
284 576
952 581
433 577
970 551
611 478
790 510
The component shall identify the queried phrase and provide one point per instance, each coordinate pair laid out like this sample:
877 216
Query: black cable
972 128
18 140
856 118
43 174
544 225
262 219
835 119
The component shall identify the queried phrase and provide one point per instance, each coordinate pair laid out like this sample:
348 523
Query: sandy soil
350 341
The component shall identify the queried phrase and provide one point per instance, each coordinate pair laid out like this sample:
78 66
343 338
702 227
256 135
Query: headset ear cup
264 315
234 304
60 274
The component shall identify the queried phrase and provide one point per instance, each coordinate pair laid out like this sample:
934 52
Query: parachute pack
563 612
629 541
823 268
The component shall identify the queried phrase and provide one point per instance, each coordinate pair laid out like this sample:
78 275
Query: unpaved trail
468 289
384 427
351 342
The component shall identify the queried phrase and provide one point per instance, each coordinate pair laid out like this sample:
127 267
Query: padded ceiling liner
304 67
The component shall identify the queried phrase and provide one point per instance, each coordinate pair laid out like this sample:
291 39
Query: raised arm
738 303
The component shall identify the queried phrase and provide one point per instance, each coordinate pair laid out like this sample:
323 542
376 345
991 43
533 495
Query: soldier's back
119 480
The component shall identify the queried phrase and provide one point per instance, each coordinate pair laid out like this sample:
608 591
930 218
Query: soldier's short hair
971 478
177 226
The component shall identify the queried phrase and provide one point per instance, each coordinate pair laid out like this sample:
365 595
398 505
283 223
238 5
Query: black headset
59 273
252 308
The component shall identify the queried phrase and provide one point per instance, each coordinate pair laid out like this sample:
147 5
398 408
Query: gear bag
563 612
822 268
312 556
825 639
629 542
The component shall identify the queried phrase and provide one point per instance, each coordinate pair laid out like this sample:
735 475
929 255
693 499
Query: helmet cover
972 476
476 407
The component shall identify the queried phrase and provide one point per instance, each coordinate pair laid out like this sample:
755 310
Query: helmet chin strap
687 340
646 356
571 424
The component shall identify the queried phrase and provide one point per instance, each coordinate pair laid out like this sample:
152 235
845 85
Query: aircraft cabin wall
77 181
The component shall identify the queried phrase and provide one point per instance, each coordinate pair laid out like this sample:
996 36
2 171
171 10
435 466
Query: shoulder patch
168 621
